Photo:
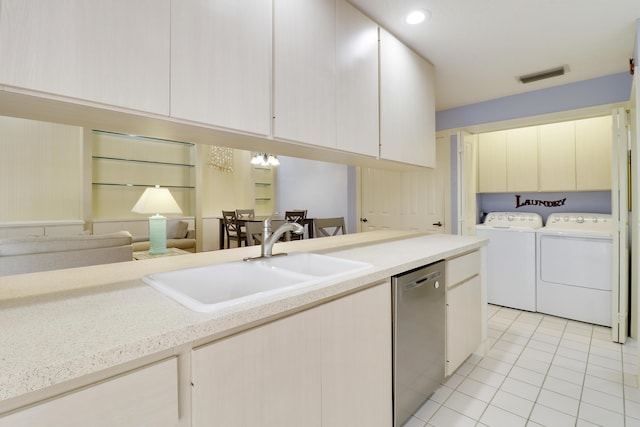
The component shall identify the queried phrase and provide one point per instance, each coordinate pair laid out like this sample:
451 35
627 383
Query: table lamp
156 200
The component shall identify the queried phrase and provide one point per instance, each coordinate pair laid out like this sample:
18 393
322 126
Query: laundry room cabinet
556 153
522 159
508 160
492 162
594 153
115 52
564 156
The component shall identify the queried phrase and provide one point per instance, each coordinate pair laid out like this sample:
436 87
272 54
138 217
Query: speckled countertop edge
56 337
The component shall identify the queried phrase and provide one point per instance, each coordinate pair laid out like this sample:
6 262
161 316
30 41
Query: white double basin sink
217 286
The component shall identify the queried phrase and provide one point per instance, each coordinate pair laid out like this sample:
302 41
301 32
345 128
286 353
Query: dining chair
296 216
255 231
245 213
326 227
232 228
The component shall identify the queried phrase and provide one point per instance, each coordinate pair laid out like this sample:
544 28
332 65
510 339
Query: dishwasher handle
423 280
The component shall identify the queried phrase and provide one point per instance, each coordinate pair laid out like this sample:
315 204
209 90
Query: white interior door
467 183
407 200
620 214
380 199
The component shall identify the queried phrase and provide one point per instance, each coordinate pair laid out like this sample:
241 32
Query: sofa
178 236
41 253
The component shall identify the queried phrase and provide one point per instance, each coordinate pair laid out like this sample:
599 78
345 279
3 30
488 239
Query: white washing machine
574 271
511 258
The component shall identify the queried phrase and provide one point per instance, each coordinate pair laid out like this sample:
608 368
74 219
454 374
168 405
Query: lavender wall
584 201
609 89
324 189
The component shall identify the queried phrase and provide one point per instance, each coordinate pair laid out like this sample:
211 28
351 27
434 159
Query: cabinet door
556 151
356 81
268 376
221 63
407 104
145 397
464 321
522 159
492 162
593 153
356 359
304 71
456 328
113 52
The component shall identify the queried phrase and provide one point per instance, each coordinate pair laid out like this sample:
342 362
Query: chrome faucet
269 238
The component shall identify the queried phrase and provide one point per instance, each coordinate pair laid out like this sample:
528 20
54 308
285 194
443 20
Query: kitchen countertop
61 325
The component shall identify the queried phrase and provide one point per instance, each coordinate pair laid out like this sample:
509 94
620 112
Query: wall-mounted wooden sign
534 202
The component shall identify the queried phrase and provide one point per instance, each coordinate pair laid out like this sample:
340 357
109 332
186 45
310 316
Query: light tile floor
539 370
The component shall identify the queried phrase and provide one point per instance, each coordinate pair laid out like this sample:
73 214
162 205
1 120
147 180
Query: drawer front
461 268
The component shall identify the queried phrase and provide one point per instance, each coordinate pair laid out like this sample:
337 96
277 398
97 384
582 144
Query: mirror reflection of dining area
242 227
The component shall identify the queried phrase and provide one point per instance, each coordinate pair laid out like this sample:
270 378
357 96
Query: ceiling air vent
541 75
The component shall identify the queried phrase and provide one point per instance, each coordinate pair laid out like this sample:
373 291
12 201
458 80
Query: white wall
321 188
40 171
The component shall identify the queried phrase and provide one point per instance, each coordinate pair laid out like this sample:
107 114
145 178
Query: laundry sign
537 202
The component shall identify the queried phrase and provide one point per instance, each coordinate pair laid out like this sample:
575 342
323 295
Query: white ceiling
480 47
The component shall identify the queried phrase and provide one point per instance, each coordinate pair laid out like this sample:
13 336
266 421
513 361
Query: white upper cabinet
522 159
557 157
304 71
113 52
407 104
356 81
593 153
221 63
492 162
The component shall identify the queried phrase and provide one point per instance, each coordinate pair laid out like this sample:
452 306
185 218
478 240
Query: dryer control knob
511 218
594 220
580 220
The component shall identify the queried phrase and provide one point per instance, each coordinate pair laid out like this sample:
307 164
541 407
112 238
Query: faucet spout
269 239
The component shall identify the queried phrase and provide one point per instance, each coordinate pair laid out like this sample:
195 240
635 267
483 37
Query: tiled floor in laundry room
539 370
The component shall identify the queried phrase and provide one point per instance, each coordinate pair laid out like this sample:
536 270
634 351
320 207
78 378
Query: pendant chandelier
264 159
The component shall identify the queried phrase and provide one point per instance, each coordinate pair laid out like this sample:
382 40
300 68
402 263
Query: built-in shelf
143 161
123 165
142 185
263 189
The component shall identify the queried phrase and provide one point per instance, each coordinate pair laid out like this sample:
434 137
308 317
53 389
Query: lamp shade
156 200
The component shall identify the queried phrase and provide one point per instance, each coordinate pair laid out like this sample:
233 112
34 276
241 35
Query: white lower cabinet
327 366
356 359
464 308
144 397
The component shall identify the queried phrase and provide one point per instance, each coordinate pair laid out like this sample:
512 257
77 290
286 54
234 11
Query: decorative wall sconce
220 158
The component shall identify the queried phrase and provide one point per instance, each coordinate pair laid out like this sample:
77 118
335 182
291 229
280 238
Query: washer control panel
579 221
513 220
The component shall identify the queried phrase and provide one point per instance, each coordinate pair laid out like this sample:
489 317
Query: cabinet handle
437 224
364 219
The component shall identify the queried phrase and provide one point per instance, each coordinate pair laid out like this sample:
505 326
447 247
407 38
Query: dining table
306 222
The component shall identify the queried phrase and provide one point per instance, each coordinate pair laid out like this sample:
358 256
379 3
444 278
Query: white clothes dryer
574 270
511 258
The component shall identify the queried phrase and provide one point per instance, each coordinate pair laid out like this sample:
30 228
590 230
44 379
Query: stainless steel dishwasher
418 338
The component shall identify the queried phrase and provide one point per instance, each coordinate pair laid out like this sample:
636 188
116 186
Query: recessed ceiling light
418 16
